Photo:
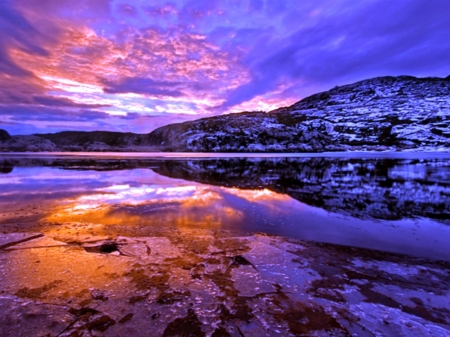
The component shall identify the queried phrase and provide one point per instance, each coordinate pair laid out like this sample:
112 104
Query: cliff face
377 114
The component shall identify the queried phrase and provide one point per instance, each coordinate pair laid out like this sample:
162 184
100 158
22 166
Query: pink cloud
198 58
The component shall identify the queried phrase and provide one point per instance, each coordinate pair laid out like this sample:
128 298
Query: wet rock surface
79 281
93 247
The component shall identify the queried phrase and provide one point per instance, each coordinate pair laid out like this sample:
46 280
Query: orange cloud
83 64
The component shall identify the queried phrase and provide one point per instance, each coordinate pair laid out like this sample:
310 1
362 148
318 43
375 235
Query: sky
136 65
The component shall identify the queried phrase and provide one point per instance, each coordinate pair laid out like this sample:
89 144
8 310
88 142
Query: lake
126 244
393 202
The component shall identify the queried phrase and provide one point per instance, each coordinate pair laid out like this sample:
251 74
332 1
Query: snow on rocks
393 113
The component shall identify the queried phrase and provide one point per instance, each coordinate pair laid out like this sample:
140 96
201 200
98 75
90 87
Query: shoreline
213 283
168 155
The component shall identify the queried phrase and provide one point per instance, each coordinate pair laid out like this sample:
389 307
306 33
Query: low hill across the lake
383 113
79 141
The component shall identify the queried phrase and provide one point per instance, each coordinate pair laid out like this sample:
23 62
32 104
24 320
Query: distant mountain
384 113
94 141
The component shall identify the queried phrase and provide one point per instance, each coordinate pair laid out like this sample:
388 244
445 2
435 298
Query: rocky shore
83 279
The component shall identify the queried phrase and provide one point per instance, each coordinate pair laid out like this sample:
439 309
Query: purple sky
136 65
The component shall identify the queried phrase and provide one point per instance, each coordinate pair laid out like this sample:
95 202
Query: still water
392 202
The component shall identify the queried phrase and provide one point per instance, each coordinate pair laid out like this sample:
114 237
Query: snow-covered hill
377 114
384 113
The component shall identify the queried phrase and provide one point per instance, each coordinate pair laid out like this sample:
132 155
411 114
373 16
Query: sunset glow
135 66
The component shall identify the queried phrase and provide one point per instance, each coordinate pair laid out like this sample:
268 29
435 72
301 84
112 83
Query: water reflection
364 187
152 204
338 200
374 188
6 166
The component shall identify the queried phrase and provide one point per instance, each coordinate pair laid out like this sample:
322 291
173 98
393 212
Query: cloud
165 10
163 61
27 45
344 44
142 86
23 120
127 9
62 102
22 112
17 32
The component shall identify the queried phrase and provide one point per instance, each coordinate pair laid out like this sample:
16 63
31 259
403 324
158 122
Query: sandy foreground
76 279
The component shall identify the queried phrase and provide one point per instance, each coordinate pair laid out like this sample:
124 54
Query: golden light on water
190 205
258 195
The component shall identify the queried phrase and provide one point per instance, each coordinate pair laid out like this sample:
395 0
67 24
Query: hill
377 114
383 113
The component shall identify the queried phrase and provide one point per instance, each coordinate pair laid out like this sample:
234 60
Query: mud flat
79 279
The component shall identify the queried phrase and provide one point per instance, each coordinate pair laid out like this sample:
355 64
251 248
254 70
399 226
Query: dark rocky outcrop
4 135
92 141
69 138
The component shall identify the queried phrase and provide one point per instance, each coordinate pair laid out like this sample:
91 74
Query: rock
28 144
99 295
11 239
25 318
133 248
4 135
105 247
347 117
407 144
98 147
270 287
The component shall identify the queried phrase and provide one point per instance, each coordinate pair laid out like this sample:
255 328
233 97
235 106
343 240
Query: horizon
136 66
277 108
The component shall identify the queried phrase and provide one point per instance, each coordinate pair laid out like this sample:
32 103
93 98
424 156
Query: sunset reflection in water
108 202
133 197
192 205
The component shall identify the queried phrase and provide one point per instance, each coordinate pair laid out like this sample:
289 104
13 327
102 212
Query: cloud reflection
190 205
180 205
